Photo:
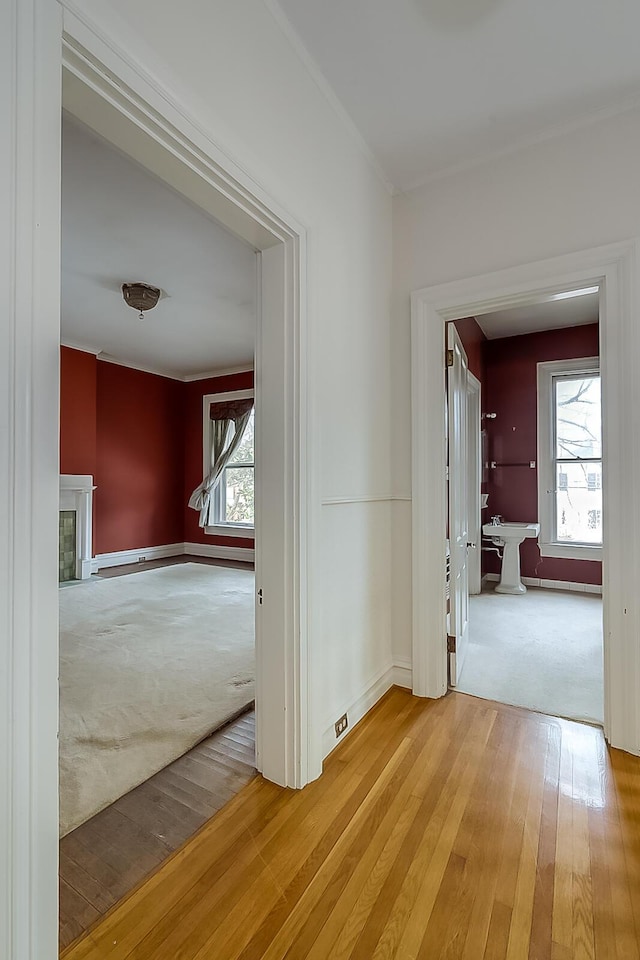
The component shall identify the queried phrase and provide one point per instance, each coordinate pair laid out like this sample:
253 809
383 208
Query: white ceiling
120 224
549 315
437 84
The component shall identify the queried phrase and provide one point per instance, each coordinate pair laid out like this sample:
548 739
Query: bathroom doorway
533 476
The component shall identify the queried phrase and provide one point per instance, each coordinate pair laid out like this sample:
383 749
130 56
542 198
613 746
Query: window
570 459
235 492
234 496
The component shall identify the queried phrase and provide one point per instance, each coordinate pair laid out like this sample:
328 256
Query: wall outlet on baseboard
341 725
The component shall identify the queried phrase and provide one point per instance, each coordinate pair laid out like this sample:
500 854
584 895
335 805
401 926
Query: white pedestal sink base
510 581
510 535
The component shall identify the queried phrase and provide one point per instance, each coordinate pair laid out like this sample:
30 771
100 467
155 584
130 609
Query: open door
457 389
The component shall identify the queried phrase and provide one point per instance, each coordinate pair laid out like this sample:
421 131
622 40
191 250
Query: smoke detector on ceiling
140 296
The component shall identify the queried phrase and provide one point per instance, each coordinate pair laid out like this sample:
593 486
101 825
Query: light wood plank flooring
456 828
105 858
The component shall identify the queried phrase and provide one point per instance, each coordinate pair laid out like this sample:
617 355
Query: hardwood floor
106 858
454 828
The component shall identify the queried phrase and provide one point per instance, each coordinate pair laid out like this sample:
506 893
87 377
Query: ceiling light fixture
140 296
582 292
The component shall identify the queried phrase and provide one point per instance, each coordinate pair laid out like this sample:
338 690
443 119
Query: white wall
563 195
247 87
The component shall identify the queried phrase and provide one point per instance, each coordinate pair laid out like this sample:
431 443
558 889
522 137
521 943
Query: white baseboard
245 554
551 584
395 675
121 557
403 673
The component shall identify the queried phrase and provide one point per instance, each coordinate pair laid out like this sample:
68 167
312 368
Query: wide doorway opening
525 501
181 471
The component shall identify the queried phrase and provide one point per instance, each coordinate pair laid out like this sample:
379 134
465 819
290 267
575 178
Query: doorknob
472 545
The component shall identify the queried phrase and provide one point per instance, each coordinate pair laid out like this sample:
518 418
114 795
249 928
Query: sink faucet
497 519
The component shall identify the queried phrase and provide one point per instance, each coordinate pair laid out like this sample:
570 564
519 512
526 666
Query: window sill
230 530
573 551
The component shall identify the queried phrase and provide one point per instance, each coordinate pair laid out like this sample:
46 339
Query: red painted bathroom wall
510 390
194 392
138 501
472 339
77 411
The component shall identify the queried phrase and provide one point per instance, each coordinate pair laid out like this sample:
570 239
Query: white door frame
31 58
474 466
617 268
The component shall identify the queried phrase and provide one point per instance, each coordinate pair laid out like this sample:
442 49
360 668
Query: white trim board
616 269
395 675
550 584
168 374
220 552
121 558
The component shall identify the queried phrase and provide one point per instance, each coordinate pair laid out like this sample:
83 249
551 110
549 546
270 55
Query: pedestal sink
510 535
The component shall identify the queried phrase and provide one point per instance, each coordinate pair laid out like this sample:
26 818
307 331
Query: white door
457 388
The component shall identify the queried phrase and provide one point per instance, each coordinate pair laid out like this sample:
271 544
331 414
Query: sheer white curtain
228 423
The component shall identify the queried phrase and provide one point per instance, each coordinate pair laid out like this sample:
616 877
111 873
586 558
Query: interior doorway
535 634
131 113
612 269
157 524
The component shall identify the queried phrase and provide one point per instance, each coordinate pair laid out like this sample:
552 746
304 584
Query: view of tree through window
237 485
578 456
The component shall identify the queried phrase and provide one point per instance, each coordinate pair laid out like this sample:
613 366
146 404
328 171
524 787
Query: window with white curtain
235 493
233 510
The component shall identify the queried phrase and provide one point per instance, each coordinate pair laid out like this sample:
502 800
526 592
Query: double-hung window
570 459
235 492
234 495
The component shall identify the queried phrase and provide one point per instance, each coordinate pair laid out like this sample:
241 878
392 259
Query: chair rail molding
616 269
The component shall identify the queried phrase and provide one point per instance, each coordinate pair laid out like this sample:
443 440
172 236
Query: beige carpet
150 664
542 650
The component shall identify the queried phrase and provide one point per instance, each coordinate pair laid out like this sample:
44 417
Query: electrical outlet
141 559
341 725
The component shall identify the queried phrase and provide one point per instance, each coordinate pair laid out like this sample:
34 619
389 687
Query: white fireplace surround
76 493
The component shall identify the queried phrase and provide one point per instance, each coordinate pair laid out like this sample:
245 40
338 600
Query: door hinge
449 358
451 644
260 596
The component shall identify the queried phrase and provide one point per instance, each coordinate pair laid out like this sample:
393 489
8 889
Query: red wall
78 372
194 392
510 390
473 340
139 473
140 436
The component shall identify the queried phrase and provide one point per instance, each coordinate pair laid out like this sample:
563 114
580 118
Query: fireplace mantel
76 493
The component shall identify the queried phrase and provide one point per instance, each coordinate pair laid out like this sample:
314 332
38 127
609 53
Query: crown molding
72 345
554 132
158 371
221 372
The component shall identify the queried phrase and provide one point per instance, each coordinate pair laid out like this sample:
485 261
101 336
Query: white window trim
221 529
546 480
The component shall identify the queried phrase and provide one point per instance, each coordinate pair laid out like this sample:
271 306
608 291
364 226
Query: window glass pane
239 495
244 453
578 420
579 503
